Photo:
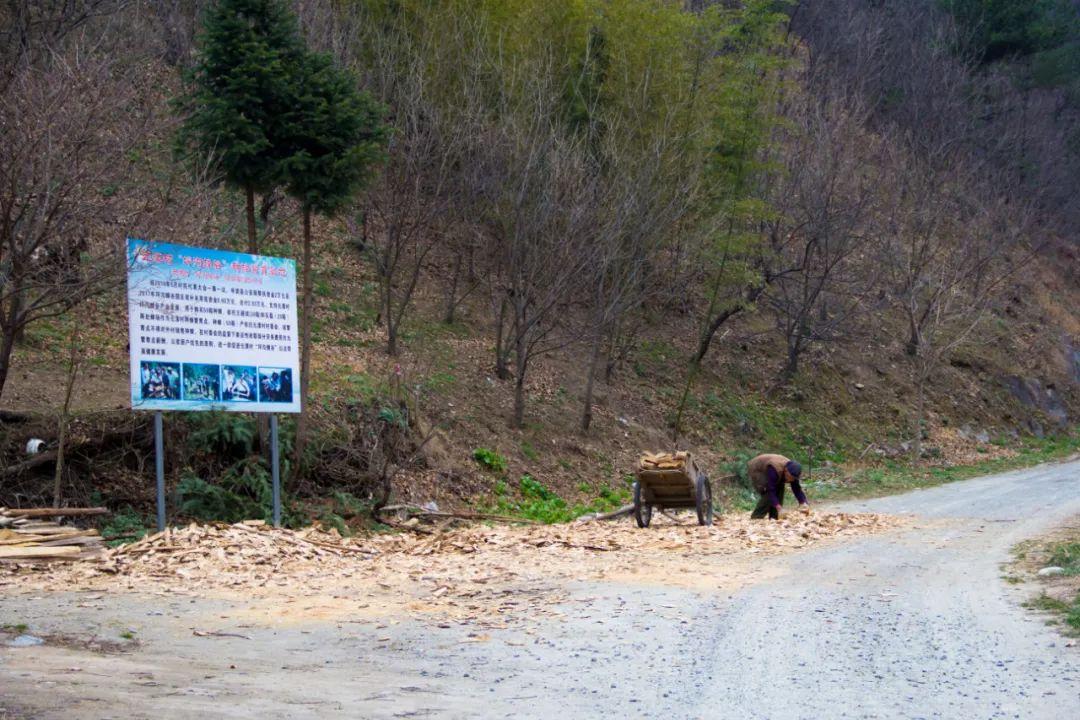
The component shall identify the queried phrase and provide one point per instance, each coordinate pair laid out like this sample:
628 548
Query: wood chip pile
730 534
226 549
28 535
486 576
664 461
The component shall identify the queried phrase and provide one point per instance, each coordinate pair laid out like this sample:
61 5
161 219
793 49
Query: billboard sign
211 329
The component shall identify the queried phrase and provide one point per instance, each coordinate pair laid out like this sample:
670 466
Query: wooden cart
670 482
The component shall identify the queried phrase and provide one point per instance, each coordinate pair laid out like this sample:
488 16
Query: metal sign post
211 330
159 462
275 470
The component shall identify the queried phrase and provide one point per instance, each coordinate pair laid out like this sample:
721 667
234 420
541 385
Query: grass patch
897 477
15 628
1066 555
538 503
125 526
440 382
783 429
1059 598
489 459
529 451
1064 612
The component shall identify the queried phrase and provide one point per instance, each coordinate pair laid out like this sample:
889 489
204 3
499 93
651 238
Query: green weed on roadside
490 460
124 526
540 504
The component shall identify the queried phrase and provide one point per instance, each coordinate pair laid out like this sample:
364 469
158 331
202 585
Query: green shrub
224 433
738 467
490 460
348 505
541 504
244 492
534 489
529 451
1067 556
330 519
124 526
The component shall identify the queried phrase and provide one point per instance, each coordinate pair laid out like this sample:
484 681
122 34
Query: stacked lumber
665 461
26 534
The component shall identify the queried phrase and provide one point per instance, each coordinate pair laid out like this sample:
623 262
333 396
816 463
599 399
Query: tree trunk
519 402
521 358
61 431
253 241
262 422
695 367
920 411
792 365
391 338
752 294
451 293
501 370
590 381
912 347
305 348
10 327
7 346
388 308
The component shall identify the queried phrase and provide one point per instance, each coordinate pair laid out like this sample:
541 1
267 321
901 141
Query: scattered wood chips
490 576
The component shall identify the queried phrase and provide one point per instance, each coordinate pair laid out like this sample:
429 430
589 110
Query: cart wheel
642 511
704 500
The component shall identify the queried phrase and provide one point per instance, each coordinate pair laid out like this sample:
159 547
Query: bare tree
647 200
951 245
31 30
79 113
538 216
824 199
68 124
463 246
410 206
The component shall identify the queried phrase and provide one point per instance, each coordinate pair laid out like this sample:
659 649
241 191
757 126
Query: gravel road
912 624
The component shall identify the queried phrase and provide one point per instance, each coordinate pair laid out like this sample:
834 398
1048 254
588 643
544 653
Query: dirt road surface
914 623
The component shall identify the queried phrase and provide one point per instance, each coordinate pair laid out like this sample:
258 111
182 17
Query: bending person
768 475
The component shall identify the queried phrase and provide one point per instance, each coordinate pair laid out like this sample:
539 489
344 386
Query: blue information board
211 329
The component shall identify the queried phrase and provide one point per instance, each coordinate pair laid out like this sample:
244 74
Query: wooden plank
669 486
72 540
52 530
55 512
23 540
37 552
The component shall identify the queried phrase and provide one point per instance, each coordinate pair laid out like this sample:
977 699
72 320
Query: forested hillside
571 230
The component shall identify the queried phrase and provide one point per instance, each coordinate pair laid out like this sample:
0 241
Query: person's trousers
764 507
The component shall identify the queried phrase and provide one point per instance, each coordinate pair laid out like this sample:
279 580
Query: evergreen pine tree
335 137
239 91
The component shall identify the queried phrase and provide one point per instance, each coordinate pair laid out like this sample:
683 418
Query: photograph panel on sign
159 380
239 383
202 383
275 384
